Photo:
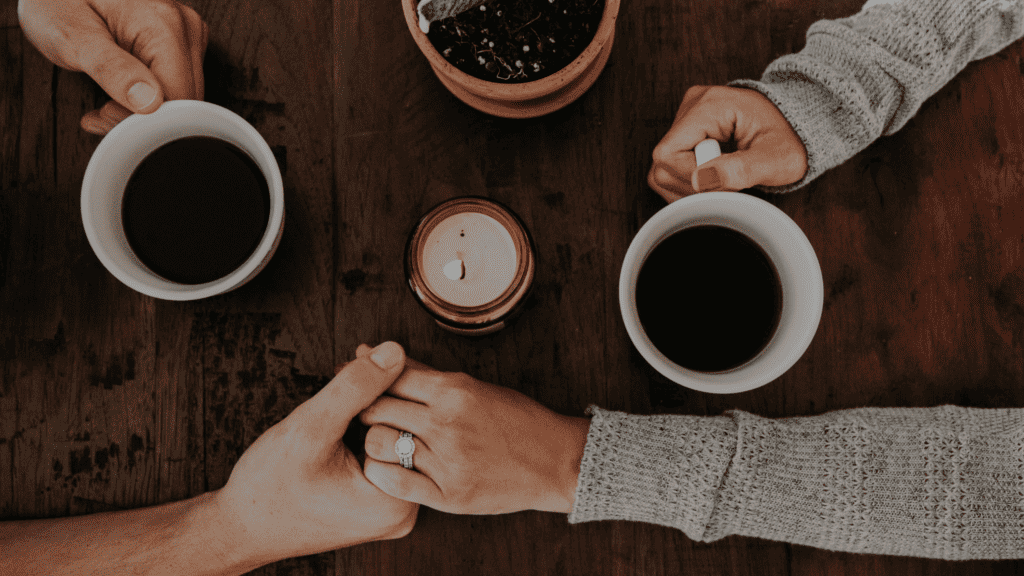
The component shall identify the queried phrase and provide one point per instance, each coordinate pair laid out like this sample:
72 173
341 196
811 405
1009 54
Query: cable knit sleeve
944 482
865 76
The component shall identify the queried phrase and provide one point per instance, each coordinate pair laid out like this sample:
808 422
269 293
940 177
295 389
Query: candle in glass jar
470 262
469 259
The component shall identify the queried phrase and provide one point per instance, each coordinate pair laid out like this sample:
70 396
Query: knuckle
374 443
660 154
459 398
656 178
694 90
171 17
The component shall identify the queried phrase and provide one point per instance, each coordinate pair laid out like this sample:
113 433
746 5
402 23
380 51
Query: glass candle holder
470 263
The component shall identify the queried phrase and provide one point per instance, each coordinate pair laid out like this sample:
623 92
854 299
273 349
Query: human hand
480 448
165 43
298 490
768 150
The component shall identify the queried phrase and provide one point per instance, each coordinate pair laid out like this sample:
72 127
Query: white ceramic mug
784 243
121 151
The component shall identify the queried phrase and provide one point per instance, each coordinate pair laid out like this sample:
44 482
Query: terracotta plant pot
527 99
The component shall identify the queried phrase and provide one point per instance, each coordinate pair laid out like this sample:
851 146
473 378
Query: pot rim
521 91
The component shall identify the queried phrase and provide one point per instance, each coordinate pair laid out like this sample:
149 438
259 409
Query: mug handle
707 150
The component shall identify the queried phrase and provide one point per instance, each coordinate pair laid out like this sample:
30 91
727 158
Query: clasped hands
480 449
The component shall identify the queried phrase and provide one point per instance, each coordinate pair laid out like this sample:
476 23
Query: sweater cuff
827 92
660 469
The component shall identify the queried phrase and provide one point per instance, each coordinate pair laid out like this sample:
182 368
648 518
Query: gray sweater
943 482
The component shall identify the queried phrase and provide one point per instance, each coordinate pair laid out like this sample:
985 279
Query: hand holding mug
768 150
141 52
480 448
298 490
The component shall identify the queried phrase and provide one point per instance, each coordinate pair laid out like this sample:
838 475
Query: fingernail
386 355
708 179
141 95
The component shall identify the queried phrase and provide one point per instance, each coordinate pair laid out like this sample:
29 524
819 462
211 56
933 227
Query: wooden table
110 399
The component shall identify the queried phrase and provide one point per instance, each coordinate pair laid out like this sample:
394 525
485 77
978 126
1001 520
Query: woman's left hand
480 448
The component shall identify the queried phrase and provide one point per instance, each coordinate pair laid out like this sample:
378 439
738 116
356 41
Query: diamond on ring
404 447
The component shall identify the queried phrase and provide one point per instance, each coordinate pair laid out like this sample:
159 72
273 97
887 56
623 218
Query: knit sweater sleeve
865 76
944 482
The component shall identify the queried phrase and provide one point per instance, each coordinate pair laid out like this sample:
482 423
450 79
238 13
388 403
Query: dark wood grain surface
110 399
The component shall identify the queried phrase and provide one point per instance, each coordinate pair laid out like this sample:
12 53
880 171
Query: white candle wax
469 259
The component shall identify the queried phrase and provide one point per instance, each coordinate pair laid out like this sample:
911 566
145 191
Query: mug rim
792 256
157 286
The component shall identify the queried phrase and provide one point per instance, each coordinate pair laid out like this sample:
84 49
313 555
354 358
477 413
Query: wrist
574 441
214 529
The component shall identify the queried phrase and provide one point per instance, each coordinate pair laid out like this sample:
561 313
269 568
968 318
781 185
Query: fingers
665 179
328 413
168 51
398 482
168 41
121 75
747 168
398 414
418 383
770 152
380 445
104 119
198 46
673 158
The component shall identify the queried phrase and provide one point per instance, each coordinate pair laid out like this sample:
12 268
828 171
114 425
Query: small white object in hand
707 150
455 270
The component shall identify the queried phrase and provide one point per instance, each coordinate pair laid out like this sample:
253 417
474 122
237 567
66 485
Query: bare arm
187 537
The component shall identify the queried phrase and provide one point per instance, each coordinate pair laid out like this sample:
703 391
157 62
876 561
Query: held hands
298 490
480 448
768 150
141 53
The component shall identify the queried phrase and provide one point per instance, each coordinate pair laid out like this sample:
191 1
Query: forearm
187 537
929 482
865 76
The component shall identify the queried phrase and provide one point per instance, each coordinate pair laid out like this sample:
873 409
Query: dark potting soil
515 41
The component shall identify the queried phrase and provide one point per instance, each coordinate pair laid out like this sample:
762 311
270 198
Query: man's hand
768 150
480 448
141 52
298 490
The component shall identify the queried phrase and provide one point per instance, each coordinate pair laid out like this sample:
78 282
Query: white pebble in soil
490 44
526 48
519 63
481 60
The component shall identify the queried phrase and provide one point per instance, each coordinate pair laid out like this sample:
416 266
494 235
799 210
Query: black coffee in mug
709 298
195 209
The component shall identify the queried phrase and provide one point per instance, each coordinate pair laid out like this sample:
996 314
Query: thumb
328 413
124 77
733 171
